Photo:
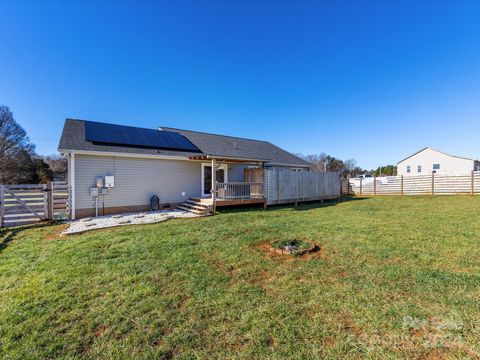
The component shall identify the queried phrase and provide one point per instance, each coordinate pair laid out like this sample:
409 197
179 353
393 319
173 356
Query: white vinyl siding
425 160
136 180
235 172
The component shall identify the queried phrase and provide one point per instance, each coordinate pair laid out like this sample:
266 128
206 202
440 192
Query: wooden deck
232 202
221 203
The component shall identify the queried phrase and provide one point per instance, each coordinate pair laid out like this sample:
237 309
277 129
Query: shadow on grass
302 206
8 234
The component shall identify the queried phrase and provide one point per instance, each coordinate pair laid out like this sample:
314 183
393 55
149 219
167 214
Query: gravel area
101 222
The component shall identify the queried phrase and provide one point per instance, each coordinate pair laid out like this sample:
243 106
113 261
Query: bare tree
16 151
323 162
58 165
317 162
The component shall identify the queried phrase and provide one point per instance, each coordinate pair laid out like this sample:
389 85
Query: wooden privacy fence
434 184
286 186
33 203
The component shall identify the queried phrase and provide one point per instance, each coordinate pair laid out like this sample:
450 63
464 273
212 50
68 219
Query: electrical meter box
103 191
99 182
109 182
93 191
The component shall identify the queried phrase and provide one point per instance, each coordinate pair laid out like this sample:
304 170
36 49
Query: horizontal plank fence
33 203
285 186
434 184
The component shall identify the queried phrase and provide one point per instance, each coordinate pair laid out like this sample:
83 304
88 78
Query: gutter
121 154
234 158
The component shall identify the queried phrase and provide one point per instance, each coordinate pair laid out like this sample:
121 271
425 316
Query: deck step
196 204
189 209
207 201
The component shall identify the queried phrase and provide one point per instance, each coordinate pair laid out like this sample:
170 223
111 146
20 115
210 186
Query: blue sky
373 81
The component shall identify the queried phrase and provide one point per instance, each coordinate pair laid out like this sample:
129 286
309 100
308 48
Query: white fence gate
285 186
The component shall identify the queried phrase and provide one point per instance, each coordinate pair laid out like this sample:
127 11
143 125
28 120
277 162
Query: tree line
19 164
348 168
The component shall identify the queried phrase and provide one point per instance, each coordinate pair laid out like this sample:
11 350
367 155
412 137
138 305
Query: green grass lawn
396 278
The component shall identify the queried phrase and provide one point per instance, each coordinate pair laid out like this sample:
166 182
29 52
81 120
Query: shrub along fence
33 203
434 184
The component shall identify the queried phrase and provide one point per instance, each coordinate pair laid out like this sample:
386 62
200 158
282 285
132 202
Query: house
116 169
429 160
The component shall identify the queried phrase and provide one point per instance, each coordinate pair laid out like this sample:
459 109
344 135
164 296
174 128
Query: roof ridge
209 133
114 124
441 152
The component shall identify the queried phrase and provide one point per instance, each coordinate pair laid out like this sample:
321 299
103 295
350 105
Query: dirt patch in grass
101 331
266 247
261 278
53 232
295 247
350 327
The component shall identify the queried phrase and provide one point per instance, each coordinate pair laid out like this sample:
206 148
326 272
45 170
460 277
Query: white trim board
118 154
72 184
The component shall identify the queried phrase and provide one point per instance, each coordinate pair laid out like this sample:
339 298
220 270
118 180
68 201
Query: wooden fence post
472 183
374 185
341 186
278 185
433 183
361 181
401 185
2 206
49 201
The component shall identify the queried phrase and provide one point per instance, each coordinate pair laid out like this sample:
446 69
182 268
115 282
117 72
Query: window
419 168
436 166
408 169
297 169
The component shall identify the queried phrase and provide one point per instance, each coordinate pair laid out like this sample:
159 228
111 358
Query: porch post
214 185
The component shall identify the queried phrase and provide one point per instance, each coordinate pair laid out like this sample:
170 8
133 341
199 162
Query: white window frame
297 169
433 167
409 169
419 169
202 179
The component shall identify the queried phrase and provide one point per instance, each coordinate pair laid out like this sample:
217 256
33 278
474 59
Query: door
254 176
207 177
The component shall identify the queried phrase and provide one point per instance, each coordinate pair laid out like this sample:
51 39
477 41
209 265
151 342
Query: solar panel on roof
133 136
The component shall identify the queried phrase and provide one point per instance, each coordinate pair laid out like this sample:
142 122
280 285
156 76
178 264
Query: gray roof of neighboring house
73 138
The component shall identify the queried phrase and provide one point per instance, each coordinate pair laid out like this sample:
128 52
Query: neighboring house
128 165
428 160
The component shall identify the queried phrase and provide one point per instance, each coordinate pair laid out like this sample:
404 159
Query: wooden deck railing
240 191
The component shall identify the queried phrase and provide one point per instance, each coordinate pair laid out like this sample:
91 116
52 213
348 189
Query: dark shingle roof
230 146
73 138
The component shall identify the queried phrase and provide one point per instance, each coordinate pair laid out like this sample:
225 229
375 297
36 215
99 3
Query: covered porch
220 188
